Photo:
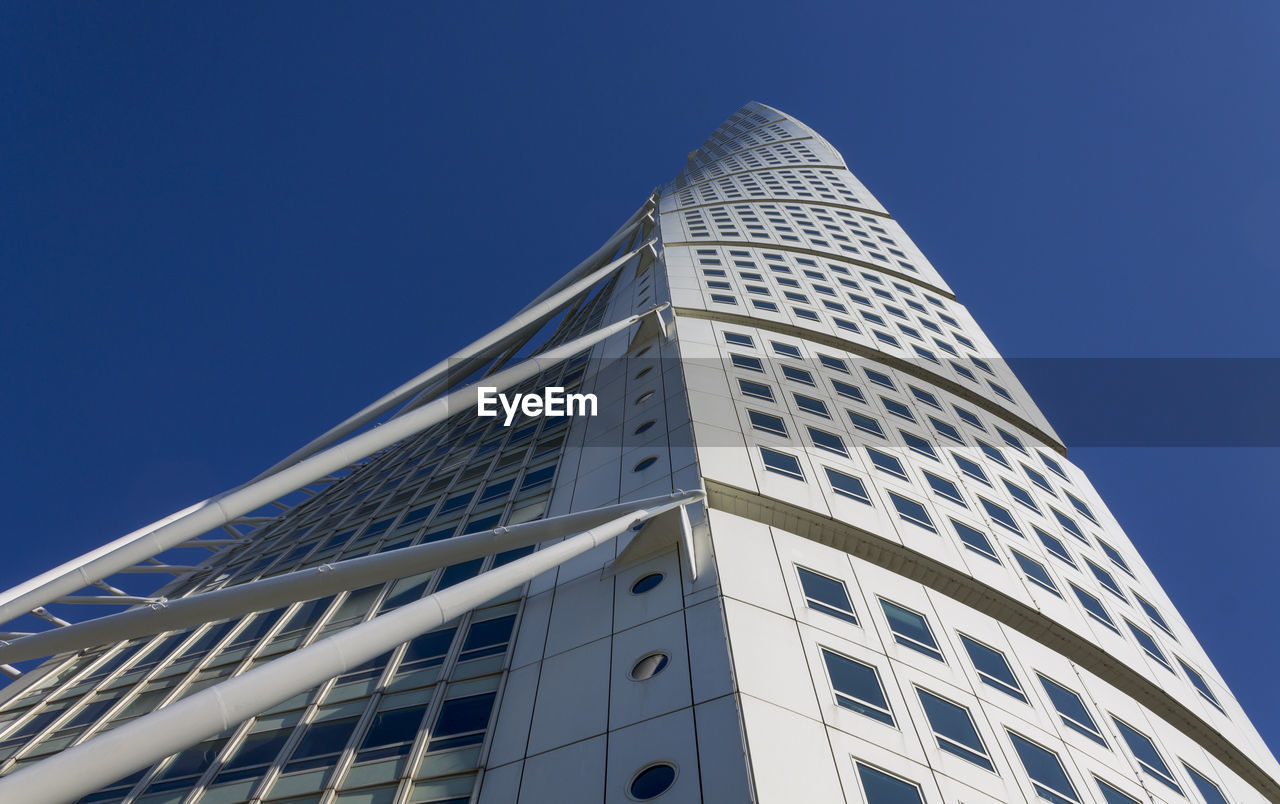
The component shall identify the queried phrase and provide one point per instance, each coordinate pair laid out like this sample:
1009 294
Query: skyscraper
813 542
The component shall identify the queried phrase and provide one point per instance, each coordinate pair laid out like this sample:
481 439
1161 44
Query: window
1079 505
971 469
461 721
925 397
946 430
912 511
881 788
969 419
1036 573
1038 479
1201 686
1048 777
1021 495
786 350
767 423
1000 515
833 363
1146 753
993 668
1094 608
738 339
1116 558
848 391
828 441
391 733
880 378
321 745
1012 440
886 463
797 375
975 540
746 362
1210 792
1105 578
1072 710
1052 465
1055 546
865 423
1068 524
1149 645
918 444
755 389
810 405
897 409
911 630
847 486
857 687
945 488
1113 796
992 453
1154 615
781 463
826 595
954 730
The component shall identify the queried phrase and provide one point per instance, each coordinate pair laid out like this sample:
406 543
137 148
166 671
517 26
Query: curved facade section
841 395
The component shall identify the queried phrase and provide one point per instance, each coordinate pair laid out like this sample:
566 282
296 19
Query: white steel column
217 511
68 775
315 582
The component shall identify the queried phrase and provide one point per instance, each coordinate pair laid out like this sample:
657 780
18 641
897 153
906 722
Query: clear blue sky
225 227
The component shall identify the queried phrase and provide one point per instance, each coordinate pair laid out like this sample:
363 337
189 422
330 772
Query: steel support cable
195 520
70 774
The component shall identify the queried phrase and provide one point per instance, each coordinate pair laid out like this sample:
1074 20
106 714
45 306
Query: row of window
857 685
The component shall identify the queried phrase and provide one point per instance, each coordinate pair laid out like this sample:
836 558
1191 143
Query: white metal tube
524 320
316 582
68 775
241 500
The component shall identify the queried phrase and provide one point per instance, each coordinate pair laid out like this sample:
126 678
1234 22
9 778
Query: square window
828 441
810 405
993 668
847 486
781 463
827 595
911 630
767 423
886 463
755 389
857 687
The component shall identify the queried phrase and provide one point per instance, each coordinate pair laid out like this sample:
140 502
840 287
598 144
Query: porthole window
645 397
646 463
652 782
646 583
642 428
649 666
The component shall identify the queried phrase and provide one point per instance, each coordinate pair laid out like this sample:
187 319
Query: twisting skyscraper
816 545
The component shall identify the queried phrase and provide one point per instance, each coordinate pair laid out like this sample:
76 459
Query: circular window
646 583
642 428
649 666
646 463
653 781
643 372
645 397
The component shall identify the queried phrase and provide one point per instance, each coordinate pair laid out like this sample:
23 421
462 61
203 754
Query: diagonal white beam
68 775
318 581
130 550
523 321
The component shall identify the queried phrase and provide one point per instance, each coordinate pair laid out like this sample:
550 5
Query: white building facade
836 554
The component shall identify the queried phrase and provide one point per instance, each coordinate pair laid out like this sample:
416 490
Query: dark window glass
1072 710
857 687
954 730
975 540
911 630
826 595
1048 777
993 668
1211 793
881 788
390 734
1146 753
461 721
847 486
321 744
